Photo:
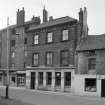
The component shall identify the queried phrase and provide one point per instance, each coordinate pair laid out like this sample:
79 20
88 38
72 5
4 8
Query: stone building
17 45
51 51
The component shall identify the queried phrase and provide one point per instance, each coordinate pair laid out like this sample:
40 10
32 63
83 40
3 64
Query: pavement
37 97
4 101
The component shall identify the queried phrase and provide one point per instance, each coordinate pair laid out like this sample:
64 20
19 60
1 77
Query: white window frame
65 35
36 39
49 58
35 59
50 37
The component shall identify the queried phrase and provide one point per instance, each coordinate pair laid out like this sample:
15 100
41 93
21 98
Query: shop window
58 78
67 78
40 78
21 80
91 63
49 78
90 84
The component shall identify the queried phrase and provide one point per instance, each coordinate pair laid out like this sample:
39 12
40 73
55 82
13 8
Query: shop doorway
32 80
103 88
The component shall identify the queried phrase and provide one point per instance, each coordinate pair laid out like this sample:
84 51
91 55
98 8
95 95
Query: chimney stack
45 15
20 17
83 22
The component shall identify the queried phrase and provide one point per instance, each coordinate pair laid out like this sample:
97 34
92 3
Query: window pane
35 59
36 39
91 63
64 58
90 85
65 35
49 37
49 58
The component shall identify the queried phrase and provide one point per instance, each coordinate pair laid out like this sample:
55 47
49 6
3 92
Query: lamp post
7 71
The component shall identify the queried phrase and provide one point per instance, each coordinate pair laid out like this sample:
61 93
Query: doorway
32 80
103 88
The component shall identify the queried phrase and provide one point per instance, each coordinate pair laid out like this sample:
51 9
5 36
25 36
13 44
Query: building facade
17 45
51 52
91 65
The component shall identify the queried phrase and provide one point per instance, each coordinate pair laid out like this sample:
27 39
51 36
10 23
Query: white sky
56 8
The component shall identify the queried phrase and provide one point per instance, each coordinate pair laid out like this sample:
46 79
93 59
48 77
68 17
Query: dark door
103 88
32 80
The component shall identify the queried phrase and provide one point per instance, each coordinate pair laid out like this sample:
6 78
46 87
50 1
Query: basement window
90 84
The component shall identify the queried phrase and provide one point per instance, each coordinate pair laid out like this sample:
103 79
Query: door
103 88
32 80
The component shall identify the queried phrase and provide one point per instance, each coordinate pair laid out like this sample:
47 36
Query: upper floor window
49 58
13 43
35 59
91 63
50 37
13 65
65 35
65 58
13 54
25 40
25 53
36 39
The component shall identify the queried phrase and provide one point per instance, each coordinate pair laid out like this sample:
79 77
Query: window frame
63 35
91 65
13 43
50 64
34 40
63 58
33 59
48 37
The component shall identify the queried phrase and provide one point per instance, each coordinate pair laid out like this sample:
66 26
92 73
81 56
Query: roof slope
53 22
92 42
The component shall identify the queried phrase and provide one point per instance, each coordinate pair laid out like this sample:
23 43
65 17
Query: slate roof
53 22
92 42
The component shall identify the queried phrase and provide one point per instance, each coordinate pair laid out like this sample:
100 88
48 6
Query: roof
92 42
53 22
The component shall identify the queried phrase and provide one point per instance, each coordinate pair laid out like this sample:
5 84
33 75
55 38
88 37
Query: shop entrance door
103 88
32 80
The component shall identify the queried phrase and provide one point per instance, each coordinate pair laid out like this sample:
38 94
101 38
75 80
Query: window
49 78
13 31
90 84
35 59
67 79
40 78
65 58
65 35
13 43
91 63
13 65
58 78
25 53
49 58
36 39
13 54
50 37
25 40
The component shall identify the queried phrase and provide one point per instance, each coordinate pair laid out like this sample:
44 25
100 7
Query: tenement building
51 49
41 55
15 49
